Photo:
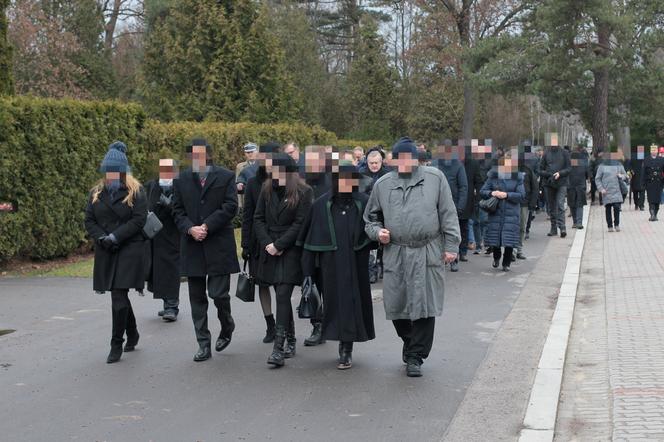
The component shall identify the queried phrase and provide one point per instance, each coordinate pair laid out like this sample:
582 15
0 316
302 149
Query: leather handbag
310 301
245 285
152 226
489 205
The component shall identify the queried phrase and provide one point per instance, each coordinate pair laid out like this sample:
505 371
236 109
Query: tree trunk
109 28
463 25
600 114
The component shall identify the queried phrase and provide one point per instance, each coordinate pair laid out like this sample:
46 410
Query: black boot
553 231
114 355
345 355
655 214
495 263
277 356
289 350
316 336
132 341
652 215
269 333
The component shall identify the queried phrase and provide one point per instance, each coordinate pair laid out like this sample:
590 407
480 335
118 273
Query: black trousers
417 337
615 220
507 257
638 198
218 287
285 317
124 320
463 246
318 281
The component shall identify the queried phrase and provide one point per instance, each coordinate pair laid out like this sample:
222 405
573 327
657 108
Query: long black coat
530 185
653 178
336 244
475 182
275 222
164 274
578 177
214 205
249 240
636 167
126 267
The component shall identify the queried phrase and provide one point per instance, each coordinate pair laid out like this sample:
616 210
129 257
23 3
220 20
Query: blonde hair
133 187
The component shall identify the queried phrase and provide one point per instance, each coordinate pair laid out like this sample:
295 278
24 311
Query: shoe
203 354
610 229
476 252
170 316
506 268
222 342
495 263
580 227
316 336
454 266
520 255
527 236
114 355
652 215
161 313
413 369
574 226
617 229
131 343
345 355
563 233
553 231
269 332
289 348
277 357
488 251
463 257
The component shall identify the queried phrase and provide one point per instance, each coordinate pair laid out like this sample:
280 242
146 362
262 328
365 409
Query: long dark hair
295 188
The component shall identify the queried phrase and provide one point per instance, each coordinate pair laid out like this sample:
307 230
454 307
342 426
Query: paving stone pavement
613 386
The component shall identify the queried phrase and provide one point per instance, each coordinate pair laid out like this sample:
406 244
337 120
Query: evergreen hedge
50 152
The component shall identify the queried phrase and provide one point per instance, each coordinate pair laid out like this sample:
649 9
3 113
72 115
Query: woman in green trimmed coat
335 241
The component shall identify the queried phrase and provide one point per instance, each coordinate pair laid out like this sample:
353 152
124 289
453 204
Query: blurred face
405 163
279 175
110 177
375 162
198 158
314 162
347 184
167 169
292 152
348 156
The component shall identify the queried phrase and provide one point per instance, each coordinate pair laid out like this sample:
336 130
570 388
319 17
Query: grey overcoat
607 179
422 219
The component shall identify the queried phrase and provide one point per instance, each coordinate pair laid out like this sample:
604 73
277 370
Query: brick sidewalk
613 386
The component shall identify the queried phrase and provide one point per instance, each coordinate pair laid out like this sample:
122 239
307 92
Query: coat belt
415 243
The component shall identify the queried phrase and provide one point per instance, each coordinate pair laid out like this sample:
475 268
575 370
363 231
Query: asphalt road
56 385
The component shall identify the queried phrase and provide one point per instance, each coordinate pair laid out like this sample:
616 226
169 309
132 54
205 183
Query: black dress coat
531 186
275 222
653 178
215 205
336 245
578 177
636 167
126 267
249 240
164 249
475 182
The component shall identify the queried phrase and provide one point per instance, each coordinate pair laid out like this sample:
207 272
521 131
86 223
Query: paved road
56 385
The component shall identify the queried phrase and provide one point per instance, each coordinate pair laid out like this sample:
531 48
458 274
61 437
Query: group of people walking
314 217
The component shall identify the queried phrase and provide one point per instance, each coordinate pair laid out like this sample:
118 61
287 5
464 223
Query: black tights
123 317
610 222
285 318
507 257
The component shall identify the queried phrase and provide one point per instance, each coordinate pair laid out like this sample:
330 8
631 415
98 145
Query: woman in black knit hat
114 219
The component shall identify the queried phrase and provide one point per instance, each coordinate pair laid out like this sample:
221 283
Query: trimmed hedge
50 152
366 144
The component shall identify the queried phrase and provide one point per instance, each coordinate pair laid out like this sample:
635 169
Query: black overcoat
126 267
164 274
215 205
336 244
578 177
275 222
653 178
636 167
249 241
475 182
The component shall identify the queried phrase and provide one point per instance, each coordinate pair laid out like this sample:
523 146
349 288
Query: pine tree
6 81
211 60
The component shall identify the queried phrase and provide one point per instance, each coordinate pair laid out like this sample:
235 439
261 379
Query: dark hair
295 188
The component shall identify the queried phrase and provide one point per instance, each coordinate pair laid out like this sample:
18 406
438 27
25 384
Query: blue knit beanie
115 159
404 145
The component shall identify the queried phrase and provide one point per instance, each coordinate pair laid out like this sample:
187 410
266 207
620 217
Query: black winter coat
214 205
531 186
555 159
455 173
164 249
653 178
475 182
126 267
275 222
578 177
636 167
249 240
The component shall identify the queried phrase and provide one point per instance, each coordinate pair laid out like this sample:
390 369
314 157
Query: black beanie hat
404 145
270 147
284 160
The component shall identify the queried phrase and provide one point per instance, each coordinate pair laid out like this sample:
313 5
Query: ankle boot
114 355
132 341
277 356
345 355
289 350
652 215
316 336
269 333
553 231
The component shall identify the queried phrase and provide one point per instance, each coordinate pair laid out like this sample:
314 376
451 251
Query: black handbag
489 205
152 226
245 286
310 301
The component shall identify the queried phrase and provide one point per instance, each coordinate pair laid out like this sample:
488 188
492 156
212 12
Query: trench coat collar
404 183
